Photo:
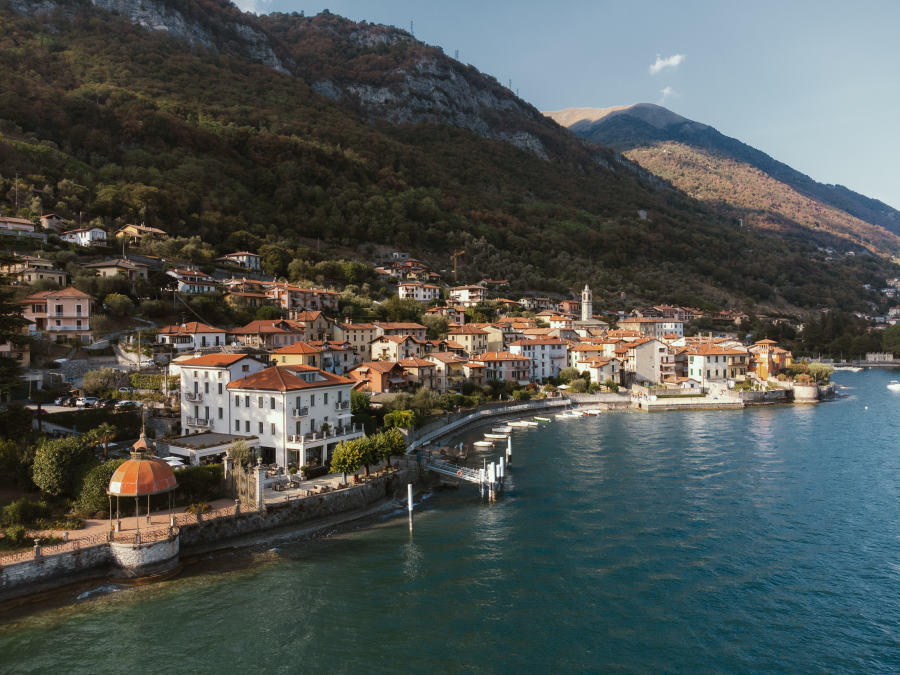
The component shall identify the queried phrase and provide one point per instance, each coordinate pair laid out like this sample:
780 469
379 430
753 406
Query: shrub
200 484
201 507
24 512
15 534
93 496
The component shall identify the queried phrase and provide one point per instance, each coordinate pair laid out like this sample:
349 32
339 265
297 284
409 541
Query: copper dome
142 475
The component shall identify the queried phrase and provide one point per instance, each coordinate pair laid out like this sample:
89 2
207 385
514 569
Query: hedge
151 381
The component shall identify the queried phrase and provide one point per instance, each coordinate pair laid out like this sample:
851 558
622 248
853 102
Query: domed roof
142 475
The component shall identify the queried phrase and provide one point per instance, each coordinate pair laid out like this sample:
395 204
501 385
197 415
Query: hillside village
252 356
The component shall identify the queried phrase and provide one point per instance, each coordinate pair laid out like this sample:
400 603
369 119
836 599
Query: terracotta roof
466 330
118 262
67 292
360 326
765 342
414 362
214 360
287 378
447 357
500 356
713 350
84 229
298 348
539 341
399 325
311 315
380 366
189 329
142 476
260 326
142 228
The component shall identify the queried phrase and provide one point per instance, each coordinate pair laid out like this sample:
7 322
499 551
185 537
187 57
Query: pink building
504 367
63 314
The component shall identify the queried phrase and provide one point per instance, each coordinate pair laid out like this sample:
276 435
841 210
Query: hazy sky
815 84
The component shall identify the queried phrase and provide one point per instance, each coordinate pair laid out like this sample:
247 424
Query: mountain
695 157
319 133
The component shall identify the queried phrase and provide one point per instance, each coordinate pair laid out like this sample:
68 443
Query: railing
197 422
332 433
299 412
192 396
462 472
341 405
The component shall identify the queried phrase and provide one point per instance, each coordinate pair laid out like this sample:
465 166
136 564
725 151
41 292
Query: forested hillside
107 120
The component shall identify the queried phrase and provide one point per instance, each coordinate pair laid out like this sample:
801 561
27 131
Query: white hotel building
297 414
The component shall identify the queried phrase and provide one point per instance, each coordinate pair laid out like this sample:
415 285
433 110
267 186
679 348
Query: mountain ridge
627 128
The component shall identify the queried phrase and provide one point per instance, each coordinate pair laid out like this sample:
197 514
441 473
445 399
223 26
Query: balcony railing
198 422
65 327
315 436
299 412
192 397
342 405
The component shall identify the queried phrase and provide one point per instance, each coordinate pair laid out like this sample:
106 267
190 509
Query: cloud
253 6
668 62
665 93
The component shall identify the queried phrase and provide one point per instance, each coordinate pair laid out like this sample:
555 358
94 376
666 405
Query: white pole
508 448
502 467
409 502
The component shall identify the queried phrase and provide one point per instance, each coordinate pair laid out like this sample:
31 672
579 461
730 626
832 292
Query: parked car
106 402
121 405
69 401
126 390
87 402
62 400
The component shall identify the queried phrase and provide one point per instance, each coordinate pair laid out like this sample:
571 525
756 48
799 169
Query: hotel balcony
342 405
199 422
318 437
192 397
299 412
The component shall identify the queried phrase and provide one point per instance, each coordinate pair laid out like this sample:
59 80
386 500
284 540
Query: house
337 357
653 327
16 224
85 236
559 322
395 347
298 354
378 377
473 339
454 314
449 372
767 359
191 336
244 259
417 330
52 223
504 367
63 314
192 281
269 334
601 370
643 359
205 403
419 372
131 269
292 298
414 290
538 304
467 296
358 335
18 352
246 299
299 413
316 324
709 362
26 270
547 355
137 233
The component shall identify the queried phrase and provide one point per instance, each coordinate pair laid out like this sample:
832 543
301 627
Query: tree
820 372
400 418
240 453
347 457
60 465
566 375
118 305
103 380
389 443
268 313
92 497
11 325
104 433
890 339
274 259
359 403
611 385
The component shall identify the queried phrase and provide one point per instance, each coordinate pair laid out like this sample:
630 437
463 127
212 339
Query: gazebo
141 475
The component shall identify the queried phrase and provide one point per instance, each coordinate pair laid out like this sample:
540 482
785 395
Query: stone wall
296 512
137 560
33 576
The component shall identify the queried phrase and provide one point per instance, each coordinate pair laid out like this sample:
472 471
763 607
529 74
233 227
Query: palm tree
104 434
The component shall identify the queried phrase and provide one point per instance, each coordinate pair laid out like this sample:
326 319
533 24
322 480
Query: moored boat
495 437
502 430
541 419
894 385
483 444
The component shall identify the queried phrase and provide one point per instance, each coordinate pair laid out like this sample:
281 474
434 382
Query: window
312 400
220 413
273 428
272 402
325 396
237 401
247 426
206 387
247 401
237 425
220 387
245 368
259 402
260 427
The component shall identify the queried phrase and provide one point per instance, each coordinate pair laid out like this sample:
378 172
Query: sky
813 83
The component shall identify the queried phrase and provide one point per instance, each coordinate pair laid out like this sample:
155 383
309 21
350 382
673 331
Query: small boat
502 430
529 423
483 444
592 411
495 437
567 416
518 424
849 369
894 385
541 419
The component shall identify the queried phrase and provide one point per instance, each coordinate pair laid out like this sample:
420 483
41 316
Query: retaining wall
33 576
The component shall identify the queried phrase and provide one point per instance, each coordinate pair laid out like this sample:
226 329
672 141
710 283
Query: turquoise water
755 540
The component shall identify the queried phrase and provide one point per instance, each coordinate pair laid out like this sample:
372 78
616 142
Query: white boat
502 430
894 385
592 411
568 416
849 369
529 423
483 444
495 437
518 424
